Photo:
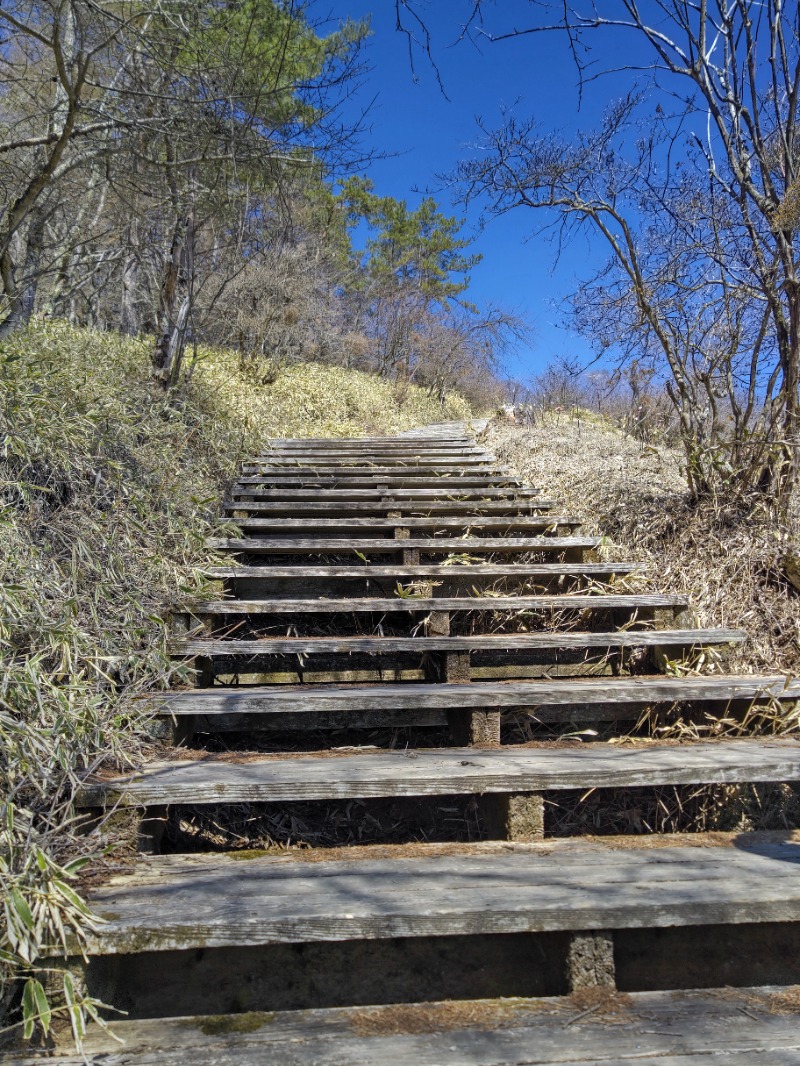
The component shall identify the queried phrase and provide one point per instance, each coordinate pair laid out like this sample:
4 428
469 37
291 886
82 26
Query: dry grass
108 489
734 564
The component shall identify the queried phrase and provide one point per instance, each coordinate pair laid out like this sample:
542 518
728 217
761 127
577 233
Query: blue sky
424 134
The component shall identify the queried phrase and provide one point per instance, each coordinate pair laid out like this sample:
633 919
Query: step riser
325 975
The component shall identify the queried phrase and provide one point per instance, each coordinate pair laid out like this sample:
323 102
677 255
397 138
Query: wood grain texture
694 1028
311 523
202 901
437 546
376 493
548 641
484 694
441 482
439 772
465 509
400 572
414 604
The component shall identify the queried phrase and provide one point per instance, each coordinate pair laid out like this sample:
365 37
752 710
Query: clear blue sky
424 134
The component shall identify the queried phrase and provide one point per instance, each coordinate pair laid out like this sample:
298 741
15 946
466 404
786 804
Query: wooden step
448 482
376 546
441 772
546 641
402 572
202 901
410 507
345 463
712 1027
400 495
373 472
563 602
546 698
431 526
374 455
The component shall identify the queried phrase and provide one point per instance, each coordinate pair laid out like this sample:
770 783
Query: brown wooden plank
202 901
441 772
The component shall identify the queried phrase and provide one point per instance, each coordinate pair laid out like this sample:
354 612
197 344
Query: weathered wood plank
687 1028
430 545
414 604
449 482
489 694
399 494
311 523
400 572
438 772
409 507
203 901
345 462
630 638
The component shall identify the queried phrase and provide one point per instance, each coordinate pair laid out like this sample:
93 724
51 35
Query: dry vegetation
109 488
739 566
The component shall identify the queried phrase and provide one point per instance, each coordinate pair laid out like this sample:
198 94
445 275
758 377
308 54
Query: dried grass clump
108 489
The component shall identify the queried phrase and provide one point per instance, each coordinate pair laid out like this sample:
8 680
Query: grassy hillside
741 568
108 492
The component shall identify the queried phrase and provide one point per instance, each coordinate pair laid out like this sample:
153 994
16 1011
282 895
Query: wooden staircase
408 588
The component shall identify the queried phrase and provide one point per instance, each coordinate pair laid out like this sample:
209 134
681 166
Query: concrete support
408 556
590 961
514 816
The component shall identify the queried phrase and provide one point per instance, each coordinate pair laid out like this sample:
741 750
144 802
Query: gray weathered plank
266 699
400 571
547 641
731 1027
346 462
429 545
380 507
399 494
202 901
310 523
449 482
560 602
438 772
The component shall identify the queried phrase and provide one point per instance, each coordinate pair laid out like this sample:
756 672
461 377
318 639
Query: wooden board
380 507
381 472
547 641
266 699
429 545
441 772
730 1027
401 571
310 524
450 482
206 900
346 462
560 602
401 495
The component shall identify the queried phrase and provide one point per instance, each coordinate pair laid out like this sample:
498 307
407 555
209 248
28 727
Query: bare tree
724 78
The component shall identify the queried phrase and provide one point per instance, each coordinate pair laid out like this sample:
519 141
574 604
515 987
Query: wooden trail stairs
410 588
